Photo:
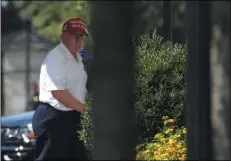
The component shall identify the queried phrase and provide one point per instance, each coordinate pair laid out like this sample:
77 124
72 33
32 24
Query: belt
56 110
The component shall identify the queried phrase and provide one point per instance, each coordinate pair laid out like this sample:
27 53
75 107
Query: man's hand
68 100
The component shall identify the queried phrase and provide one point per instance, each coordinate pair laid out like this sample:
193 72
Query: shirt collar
68 53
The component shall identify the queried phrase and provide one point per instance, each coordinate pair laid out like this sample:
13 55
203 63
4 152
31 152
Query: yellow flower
168 150
184 149
183 157
170 121
157 158
168 131
170 142
157 135
178 135
184 131
165 154
158 145
146 151
137 156
167 145
173 150
165 122
178 145
162 139
161 149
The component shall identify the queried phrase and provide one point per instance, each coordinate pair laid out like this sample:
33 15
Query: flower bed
170 144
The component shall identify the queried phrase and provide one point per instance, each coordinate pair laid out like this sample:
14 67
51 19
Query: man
62 95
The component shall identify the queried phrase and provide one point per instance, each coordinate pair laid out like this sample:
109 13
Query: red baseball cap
75 26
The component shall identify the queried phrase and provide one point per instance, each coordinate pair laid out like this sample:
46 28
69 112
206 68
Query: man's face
76 42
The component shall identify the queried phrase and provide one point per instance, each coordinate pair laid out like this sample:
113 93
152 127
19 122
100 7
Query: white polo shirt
61 71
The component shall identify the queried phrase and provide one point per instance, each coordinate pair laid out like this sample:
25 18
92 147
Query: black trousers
56 134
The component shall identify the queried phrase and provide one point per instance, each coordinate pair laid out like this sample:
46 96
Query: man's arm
56 80
67 100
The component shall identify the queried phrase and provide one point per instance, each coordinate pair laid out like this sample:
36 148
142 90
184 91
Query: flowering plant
170 144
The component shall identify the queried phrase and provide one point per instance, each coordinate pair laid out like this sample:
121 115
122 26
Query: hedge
159 89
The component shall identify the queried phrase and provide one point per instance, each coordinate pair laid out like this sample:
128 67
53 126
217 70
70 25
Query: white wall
14 69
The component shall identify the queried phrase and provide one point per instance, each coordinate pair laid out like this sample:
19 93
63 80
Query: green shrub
159 90
86 123
160 83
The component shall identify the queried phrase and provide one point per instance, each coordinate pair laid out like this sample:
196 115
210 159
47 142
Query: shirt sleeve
55 78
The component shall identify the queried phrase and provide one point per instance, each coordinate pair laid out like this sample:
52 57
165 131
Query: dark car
17 137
